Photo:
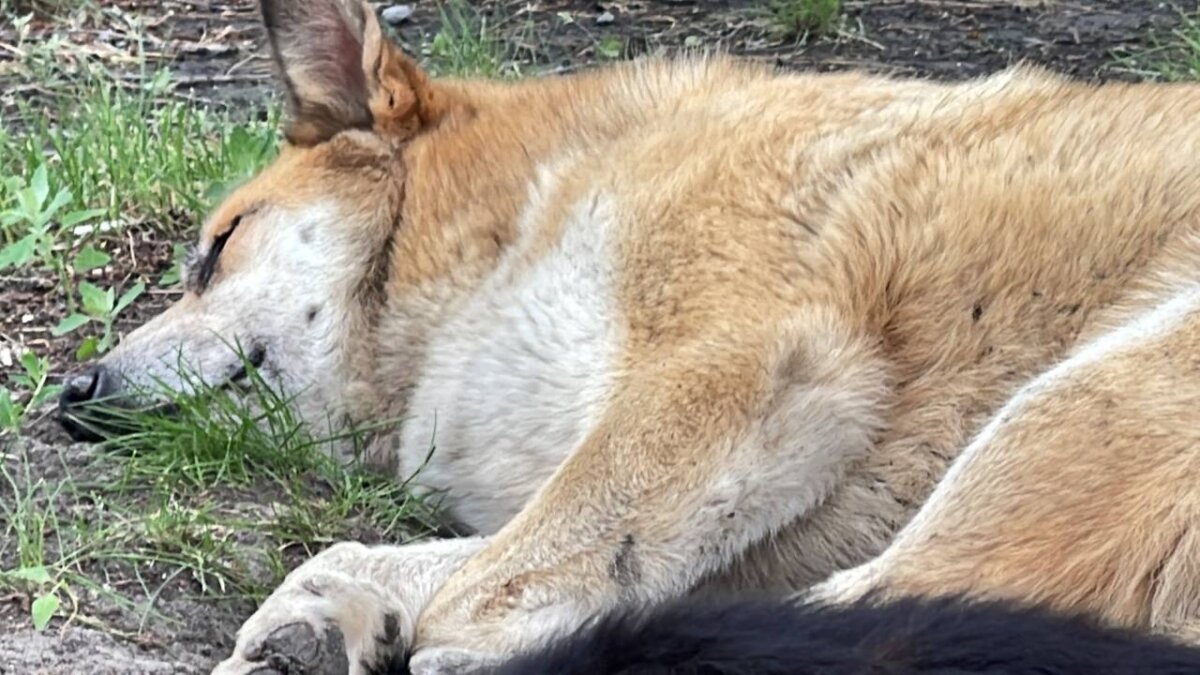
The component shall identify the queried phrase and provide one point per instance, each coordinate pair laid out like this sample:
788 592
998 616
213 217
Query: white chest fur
518 377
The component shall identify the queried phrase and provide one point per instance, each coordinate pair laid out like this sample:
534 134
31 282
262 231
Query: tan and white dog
679 326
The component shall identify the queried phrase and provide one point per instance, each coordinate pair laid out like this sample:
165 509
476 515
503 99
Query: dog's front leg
694 459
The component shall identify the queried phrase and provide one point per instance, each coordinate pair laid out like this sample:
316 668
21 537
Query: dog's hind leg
1081 493
350 610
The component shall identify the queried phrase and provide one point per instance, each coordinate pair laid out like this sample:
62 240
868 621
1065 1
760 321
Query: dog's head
294 262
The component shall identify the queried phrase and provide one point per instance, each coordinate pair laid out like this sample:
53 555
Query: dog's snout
80 389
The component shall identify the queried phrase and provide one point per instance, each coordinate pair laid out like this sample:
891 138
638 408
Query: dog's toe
300 649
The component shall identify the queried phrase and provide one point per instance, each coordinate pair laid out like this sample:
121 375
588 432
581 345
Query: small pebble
105 226
397 14
605 18
26 318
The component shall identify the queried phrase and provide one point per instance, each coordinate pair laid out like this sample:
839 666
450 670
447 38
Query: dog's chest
514 382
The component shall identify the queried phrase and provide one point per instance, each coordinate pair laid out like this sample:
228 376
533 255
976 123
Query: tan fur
1079 495
806 294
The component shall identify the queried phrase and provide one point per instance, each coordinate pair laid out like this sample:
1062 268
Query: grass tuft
1181 51
243 436
1174 56
134 151
467 45
806 18
48 9
226 492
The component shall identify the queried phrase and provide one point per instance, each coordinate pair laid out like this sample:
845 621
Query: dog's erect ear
342 73
402 102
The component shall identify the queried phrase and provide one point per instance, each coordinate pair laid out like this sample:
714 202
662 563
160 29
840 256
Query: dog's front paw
323 624
297 647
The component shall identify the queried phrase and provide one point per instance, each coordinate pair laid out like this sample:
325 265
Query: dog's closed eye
199 268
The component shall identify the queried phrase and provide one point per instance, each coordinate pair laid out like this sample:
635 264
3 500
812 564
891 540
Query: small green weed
610 48
34 220
101 306
33 380
805 18
31 521
30 516
45 590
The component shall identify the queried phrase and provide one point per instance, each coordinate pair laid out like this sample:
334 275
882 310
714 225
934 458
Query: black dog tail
910 636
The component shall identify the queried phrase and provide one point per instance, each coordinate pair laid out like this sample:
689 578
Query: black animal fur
946 637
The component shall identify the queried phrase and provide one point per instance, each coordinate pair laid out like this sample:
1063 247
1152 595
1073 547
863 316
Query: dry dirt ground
174 624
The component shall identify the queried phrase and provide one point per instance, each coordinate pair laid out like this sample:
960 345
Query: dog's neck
468 185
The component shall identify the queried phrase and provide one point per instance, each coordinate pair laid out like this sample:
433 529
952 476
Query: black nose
78 391
81 387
